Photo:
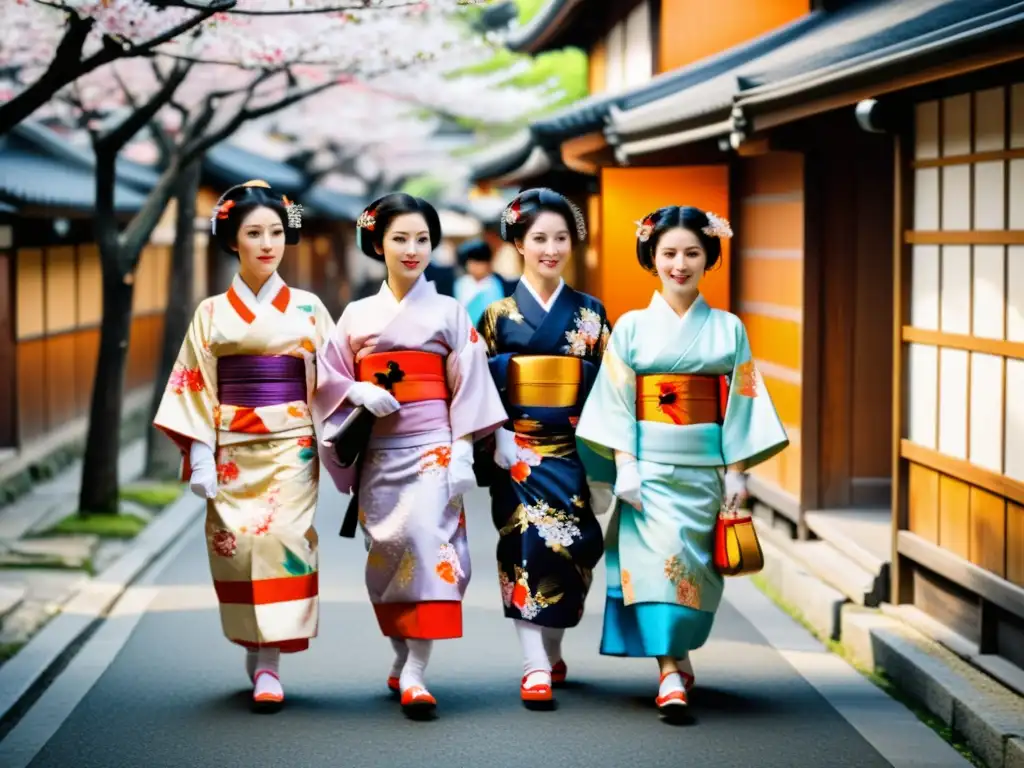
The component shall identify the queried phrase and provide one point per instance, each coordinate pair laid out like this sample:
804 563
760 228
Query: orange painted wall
692 30
629 194
597 67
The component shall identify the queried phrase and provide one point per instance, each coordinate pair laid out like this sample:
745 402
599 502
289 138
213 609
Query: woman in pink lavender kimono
440 398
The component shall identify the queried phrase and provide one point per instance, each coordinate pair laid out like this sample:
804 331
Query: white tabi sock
416 664
536 666
401 654
672 682
250 663
553 643
267 660
685 666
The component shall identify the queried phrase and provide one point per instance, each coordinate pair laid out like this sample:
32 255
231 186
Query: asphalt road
159 686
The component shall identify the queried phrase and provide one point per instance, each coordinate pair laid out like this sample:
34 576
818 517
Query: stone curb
987 715
27 667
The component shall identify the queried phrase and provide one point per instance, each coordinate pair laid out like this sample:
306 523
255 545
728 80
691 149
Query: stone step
856 535
11 598
834 568
54 552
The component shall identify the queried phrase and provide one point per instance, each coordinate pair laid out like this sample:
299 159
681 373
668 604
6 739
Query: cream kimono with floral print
259 529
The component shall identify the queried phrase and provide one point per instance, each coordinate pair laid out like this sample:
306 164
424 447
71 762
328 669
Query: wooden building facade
875 181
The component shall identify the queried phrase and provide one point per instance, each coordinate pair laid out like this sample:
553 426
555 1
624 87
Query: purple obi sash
254 381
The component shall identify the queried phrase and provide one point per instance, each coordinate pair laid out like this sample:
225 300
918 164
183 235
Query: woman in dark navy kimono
545 343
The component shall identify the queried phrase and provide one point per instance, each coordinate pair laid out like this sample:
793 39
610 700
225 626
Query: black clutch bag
353 437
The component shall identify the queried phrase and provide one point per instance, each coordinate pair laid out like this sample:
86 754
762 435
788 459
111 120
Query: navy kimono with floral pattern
549 540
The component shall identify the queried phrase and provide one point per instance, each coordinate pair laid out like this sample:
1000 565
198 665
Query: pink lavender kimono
417 567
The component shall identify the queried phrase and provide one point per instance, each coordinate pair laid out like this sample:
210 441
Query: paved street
157 686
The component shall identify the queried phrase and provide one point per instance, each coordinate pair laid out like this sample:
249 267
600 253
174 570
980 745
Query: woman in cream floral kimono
237 406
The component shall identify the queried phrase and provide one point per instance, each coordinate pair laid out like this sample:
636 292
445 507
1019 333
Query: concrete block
819 603
1014 753
857 626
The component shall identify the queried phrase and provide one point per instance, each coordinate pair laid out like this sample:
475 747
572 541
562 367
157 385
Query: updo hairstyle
241 200
709 229
373 223
524 209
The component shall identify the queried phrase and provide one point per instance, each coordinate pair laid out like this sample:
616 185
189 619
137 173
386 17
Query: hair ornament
581 225
510 216
367 220
220 211
717 227
293 211
644 229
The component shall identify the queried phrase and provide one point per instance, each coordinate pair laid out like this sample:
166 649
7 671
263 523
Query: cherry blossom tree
192 94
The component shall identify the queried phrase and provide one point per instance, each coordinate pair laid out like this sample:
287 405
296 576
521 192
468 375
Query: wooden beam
992 588
966 237
1001 485
755 147
901 583
588 153
975 157
998 347
782 501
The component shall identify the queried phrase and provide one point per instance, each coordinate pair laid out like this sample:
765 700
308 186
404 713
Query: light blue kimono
477 296
663 588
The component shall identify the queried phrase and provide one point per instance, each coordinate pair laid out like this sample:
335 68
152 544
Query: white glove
505 452
203 482
376 400
735 489
460 469
627 481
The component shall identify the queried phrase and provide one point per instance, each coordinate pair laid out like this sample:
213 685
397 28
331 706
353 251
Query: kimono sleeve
189 409
476 409
608 421
324 324
751 431
335 375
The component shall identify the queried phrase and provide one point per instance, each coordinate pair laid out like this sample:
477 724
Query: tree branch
62 70
113 140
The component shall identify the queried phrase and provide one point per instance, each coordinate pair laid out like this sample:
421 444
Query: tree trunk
99 493
162 456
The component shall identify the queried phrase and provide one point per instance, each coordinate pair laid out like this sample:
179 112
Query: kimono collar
420 289
659 305
245 303
545 305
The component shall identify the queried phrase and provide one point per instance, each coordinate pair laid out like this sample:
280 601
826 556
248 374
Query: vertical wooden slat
923 502
902 501
988 531
954 516
1015 543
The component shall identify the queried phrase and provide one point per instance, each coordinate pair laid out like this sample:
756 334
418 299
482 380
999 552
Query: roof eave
541 33
806 95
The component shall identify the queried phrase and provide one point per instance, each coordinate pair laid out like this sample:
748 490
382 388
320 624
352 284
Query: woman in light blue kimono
677 400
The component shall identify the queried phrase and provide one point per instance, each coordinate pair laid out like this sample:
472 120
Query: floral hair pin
294 213
367 220
717 227
581 225
511 215
220 211
644 229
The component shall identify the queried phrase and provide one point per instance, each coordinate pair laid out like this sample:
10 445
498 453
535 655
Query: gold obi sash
409 376
679 398
544 381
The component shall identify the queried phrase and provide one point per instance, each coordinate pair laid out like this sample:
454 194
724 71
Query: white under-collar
545 305
267 292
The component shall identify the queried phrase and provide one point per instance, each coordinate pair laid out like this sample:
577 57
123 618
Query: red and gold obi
681 399
410 376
